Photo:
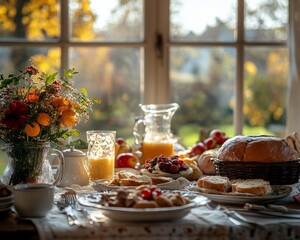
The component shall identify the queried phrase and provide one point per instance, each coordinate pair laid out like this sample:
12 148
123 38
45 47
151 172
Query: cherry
146 194
174 169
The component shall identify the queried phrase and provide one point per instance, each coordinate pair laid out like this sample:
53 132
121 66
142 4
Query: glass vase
27 163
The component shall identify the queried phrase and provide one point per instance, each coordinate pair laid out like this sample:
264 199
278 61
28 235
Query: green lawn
190 134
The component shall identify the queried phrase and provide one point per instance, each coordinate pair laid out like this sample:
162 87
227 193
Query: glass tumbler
101 154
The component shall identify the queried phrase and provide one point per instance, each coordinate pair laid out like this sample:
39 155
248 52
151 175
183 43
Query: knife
270 208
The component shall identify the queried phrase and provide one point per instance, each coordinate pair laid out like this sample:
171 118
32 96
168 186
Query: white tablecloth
200 223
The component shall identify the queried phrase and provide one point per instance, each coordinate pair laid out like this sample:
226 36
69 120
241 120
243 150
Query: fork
66 208
71 199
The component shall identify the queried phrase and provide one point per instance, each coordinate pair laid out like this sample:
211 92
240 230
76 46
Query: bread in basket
258 156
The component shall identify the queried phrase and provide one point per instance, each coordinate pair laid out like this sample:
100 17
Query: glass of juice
101 154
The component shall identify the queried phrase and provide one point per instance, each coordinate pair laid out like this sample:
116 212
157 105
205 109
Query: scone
217 183
258 187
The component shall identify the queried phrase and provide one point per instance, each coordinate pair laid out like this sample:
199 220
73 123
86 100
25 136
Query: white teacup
34 199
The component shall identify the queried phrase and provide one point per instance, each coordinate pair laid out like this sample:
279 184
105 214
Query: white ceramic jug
75 169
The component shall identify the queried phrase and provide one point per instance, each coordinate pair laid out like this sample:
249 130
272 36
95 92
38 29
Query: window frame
155 81
239 45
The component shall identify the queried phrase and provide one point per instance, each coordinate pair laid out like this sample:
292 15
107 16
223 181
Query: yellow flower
32 129
68 118
43 119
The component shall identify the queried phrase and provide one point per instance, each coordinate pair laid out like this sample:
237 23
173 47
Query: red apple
120 141
217 135
223 139
126 160
197 149
210 143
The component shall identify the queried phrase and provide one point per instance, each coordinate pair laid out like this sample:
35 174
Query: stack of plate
5 204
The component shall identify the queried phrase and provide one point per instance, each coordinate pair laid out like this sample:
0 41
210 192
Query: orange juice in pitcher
153 149
156 139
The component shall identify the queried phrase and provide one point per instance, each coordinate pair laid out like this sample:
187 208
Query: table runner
201 223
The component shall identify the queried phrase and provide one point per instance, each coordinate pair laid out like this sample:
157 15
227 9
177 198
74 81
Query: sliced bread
217 183
252 186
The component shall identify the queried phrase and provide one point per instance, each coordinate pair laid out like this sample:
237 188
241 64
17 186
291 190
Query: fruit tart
166 166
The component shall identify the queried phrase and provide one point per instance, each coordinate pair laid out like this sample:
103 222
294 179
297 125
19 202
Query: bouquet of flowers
37 107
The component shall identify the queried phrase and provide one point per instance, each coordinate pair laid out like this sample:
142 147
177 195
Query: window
224 62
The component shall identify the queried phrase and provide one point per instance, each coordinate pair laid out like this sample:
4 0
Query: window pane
14 58
114 77
266 20
194 20
102 20
31 20
265 88
202 83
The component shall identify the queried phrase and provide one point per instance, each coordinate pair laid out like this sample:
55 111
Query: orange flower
43 119
61 104
32 129
68 118
32 95
20 91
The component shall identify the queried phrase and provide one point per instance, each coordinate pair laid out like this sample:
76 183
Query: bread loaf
217 183
256 148
251 186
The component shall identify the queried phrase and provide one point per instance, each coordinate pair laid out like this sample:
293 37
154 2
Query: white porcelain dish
5 199
6 204
33 200
4 210
280 191
142 214
164 174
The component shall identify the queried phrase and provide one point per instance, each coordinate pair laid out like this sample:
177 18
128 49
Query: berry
174 169
146 194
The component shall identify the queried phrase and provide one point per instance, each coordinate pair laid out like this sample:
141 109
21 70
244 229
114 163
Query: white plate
6 209
6 199
280 191
6 204
163 174
142 214
178 184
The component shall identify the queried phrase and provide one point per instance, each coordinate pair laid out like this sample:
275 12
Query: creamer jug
75 169
153 131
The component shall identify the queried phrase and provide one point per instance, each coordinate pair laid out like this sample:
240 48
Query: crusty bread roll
253 186
256 148
205 163
217 183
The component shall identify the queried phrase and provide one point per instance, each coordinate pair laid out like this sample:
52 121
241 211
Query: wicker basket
277 173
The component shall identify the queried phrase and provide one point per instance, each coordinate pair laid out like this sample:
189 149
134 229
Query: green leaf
84 92
51 78
97 101
69 73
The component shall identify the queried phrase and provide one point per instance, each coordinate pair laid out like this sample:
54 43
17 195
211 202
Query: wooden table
13 228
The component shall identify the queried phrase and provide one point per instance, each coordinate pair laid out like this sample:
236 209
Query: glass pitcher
153 132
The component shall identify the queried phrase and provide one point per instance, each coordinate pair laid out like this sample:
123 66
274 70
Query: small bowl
33 200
